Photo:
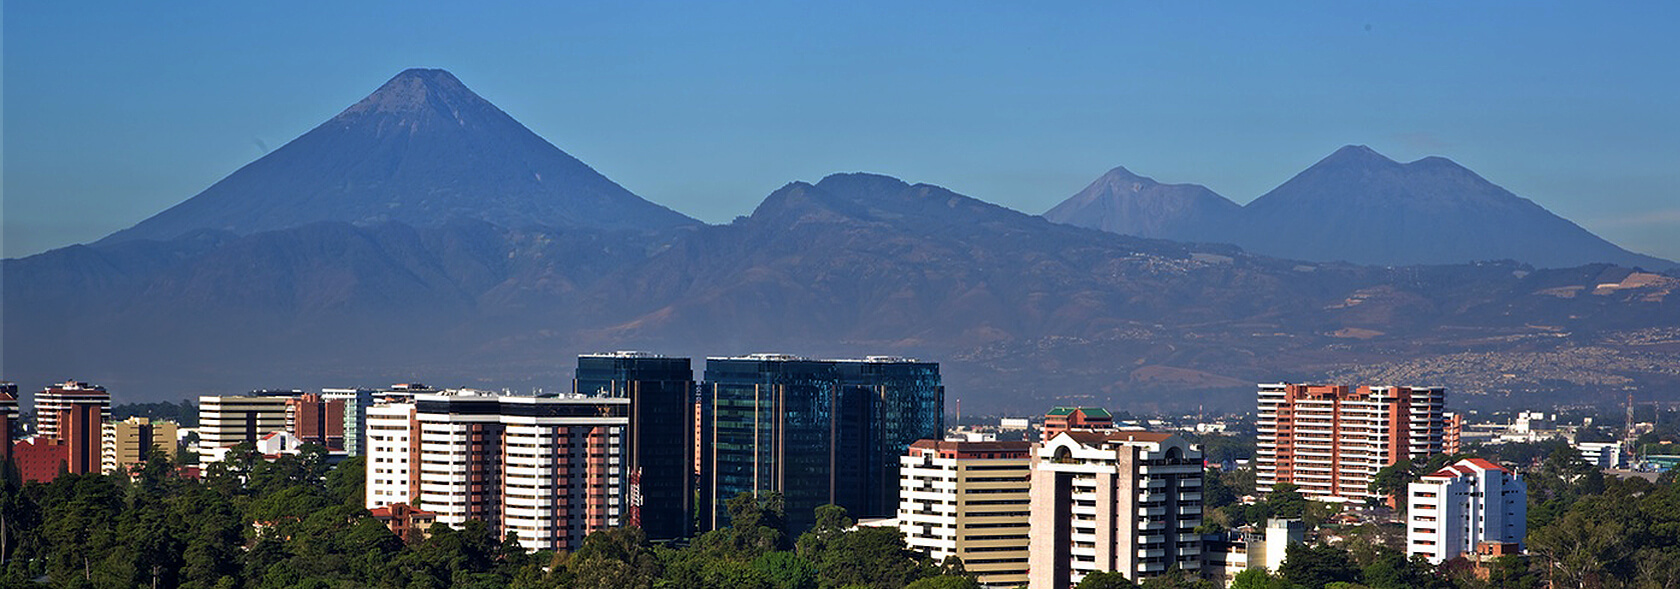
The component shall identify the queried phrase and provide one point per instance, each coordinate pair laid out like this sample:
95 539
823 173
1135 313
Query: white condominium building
1126 502
227 421
1331 440
1472 502
970 500
547 469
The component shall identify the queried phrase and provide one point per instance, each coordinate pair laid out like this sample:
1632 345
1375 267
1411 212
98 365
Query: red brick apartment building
1330 440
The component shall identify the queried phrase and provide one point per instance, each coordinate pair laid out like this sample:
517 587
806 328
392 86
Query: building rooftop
1088 411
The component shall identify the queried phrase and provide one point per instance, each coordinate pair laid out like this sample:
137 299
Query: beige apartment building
128 441
970 500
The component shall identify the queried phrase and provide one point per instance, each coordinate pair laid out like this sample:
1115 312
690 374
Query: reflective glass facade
818 431
661 436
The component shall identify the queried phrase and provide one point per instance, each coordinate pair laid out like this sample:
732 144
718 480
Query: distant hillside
1355 206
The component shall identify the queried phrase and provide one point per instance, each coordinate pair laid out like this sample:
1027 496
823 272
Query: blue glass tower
817 431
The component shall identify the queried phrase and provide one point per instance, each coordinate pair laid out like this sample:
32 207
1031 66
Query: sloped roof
1088 411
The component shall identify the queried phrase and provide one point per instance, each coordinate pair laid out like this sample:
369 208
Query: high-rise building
1452 432
1126 502
970 500
10 430
816 431
79 421
356 403
546 469
315 419
1330 440
127 442
227 421
1061 419
1469 503
660 449
50 401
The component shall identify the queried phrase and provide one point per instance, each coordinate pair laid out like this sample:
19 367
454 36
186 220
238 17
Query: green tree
1258 579
1579 547
945 582
872 557
1392 480
787 570
1317 566
1105 580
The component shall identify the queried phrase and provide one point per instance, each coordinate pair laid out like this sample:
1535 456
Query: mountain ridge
1360 206
1020 311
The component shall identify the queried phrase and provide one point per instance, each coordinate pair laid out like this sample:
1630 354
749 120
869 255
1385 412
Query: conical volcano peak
419 91
1357 155
422 150
1120 173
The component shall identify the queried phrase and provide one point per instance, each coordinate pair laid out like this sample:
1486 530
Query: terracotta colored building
39 459
1061 419
316 420
1452 433
406 521
1330 440
51 400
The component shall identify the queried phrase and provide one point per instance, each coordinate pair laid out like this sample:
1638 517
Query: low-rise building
1061 419
1230 553
410 523
1602 455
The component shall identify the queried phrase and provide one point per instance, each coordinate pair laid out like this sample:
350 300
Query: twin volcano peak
422 150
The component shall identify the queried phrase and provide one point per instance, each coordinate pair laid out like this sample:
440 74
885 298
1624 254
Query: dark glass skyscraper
817 431
660 456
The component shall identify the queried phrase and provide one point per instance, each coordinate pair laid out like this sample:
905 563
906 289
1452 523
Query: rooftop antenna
1630 415
959 414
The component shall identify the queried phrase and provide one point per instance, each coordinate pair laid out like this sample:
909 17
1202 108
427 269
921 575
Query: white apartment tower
970 500
227 421
1126 502
547 469
1454 510
1331 440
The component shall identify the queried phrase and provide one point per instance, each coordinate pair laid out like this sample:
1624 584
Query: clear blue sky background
117 110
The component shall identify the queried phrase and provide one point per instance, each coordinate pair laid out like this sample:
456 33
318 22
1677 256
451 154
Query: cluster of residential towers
639 441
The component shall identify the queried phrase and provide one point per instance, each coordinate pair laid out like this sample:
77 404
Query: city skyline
705 110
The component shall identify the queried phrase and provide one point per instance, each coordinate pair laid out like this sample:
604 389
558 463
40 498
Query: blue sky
117 110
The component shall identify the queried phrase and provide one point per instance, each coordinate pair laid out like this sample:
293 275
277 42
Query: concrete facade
1126 502
1453 510
970 500
546 469
1330 440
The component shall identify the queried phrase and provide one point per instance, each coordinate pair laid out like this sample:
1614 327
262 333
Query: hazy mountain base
1022 312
